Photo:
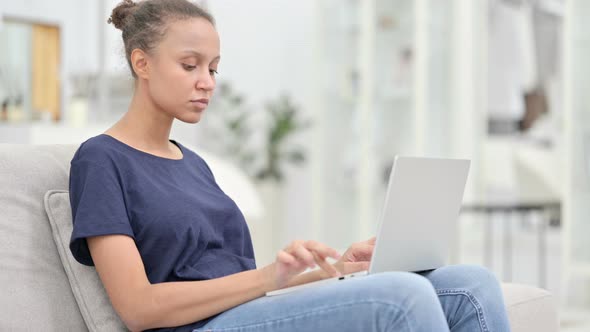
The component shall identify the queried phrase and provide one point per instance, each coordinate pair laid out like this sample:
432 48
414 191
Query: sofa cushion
88 289
530 308
36 295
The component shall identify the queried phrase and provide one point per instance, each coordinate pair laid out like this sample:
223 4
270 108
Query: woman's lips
200 103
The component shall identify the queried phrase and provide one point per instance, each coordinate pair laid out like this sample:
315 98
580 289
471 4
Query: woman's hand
297 257
357 257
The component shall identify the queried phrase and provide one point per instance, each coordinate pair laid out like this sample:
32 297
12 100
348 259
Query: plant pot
267 237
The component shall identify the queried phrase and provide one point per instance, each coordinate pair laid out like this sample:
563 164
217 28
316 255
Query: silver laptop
419 220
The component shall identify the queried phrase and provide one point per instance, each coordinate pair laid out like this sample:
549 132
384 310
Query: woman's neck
144 124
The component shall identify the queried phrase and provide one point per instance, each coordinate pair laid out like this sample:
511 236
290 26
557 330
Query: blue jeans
458 298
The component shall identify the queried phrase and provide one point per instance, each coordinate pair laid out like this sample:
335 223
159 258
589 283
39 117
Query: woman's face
182 69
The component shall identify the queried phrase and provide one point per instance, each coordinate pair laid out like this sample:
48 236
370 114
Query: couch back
36 295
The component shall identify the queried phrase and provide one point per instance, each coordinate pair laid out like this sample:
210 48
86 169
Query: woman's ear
140 63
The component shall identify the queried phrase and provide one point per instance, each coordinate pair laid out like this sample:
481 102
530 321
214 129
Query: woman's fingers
364 252
286 258
351 267
371 241
329 268
322 249
304 255
310 253
320 252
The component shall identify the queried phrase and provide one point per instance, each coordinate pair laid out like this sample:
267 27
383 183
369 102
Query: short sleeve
98 207
209 170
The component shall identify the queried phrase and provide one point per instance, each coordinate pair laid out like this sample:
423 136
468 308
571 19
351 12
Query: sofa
44 289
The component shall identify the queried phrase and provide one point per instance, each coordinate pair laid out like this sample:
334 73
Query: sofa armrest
530 308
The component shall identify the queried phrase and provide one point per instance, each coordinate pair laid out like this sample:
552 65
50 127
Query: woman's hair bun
121 13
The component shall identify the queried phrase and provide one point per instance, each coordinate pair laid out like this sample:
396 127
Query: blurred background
316 97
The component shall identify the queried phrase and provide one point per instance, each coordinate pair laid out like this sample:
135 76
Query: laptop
419 219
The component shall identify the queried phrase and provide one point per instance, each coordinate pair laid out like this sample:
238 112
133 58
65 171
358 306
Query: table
550 212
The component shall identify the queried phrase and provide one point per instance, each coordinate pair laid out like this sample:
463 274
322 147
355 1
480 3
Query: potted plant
259 143
283 123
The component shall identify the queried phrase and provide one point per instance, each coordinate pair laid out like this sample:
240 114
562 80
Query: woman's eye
188 67
213 72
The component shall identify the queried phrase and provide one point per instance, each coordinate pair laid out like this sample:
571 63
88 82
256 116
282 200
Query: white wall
266 46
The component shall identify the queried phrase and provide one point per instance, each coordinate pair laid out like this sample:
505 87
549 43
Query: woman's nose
206 81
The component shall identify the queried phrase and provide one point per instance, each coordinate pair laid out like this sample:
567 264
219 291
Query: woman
174 252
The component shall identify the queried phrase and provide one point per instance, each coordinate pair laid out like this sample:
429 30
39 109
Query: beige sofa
42 291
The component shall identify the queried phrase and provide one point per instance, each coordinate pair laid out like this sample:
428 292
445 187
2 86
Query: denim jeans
458 298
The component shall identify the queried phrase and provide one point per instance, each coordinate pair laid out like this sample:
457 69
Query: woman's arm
142 305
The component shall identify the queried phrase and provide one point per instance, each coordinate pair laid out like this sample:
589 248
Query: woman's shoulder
96 150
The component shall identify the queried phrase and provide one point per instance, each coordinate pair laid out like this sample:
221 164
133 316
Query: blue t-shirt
184 226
